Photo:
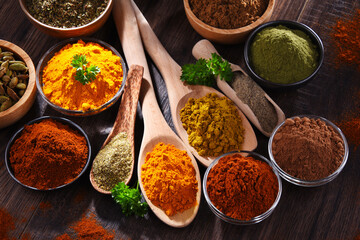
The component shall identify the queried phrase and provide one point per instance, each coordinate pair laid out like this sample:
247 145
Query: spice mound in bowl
283 54
308 150
17 83
242 187
81 77
65 19
227 22
48 153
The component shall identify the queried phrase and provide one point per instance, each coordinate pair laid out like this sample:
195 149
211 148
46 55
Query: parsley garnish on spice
84 74
204 72
129 199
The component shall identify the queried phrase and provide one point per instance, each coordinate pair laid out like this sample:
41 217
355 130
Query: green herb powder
283 55
113 162
66 13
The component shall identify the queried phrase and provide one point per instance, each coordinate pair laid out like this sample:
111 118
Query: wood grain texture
328 212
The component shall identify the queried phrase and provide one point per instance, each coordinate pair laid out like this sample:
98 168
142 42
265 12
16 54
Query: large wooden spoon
156 128
125 119
203 49
178 92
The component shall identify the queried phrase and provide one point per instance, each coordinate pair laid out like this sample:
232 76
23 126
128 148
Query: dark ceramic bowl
292 25
231 220
51 52
65 121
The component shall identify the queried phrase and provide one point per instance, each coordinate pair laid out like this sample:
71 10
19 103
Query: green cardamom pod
18 67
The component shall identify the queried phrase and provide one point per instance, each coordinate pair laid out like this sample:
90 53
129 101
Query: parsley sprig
204 72
84 74
129 199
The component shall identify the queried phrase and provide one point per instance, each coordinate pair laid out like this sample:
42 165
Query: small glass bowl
307 183
235 221
37 120
316 40
51 52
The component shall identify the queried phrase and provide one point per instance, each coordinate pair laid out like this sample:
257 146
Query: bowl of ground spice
81 77
227 22
48 153
66 19
283 54
308 150
242 188
17 83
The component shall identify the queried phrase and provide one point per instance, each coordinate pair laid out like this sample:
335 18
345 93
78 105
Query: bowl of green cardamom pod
17 83
283 53
66 19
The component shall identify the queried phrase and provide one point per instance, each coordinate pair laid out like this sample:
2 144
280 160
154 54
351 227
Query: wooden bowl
56 32
19 109
226 36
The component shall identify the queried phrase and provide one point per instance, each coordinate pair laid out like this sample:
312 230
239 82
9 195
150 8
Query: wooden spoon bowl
155 127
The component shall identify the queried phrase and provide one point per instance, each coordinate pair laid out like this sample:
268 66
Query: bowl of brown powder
308 150
227 22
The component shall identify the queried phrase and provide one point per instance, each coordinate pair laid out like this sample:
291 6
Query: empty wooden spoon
203 49
178 92
125 119
156 128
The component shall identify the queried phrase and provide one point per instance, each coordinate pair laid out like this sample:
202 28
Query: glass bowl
50 53
308 183
235 221
291 25
65 121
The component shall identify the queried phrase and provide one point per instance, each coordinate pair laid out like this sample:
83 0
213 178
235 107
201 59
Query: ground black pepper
66 13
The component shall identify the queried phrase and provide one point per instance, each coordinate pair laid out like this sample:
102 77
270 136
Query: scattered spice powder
6 224
228 14
87 228
45 205
242 187
346 38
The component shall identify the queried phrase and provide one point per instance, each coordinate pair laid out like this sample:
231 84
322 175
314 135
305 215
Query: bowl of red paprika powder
308 150
242 188
48 153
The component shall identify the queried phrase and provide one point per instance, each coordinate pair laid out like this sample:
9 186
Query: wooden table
328 212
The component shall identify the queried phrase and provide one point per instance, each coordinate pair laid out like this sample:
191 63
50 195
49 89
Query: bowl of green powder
283 54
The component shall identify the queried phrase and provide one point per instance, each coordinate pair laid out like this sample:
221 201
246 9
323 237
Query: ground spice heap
48 154
169 179
228 14
66 13
307 149
346 38
61 87
213 125
242 187
87 228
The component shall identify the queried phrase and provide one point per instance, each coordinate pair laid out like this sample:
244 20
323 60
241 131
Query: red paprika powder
242 187
48 154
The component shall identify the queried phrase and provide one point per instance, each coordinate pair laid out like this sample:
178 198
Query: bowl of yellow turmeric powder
81 77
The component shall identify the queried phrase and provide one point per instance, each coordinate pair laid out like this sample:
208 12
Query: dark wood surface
327 212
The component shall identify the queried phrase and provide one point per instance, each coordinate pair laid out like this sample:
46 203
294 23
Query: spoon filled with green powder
115 161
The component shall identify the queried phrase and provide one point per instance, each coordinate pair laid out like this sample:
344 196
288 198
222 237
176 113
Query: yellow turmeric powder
213 125
169 179
61 88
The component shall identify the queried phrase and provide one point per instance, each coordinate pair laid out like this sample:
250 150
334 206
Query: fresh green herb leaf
84 74
204 72
129 199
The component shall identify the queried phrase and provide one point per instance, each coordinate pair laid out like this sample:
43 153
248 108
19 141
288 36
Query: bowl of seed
66 19
17 83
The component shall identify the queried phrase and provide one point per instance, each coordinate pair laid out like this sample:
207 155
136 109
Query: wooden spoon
203 49
156 128
125 119
178 92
